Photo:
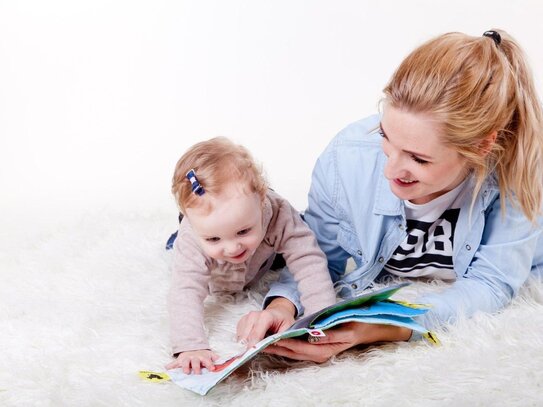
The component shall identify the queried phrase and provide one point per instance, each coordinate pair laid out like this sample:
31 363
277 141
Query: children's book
374 307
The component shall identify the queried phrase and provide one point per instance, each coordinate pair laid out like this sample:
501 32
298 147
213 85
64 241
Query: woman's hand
337 340
277 317
194 360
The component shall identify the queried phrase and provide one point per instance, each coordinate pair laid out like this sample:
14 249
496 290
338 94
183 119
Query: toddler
233 226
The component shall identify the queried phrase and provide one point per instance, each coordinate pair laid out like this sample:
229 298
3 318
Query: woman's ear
488 142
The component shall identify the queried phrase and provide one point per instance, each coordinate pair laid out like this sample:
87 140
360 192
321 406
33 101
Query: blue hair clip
197 188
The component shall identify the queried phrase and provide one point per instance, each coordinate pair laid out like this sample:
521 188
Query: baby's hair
217 162
473 86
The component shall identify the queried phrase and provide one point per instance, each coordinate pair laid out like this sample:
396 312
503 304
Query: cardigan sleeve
291 237
188 290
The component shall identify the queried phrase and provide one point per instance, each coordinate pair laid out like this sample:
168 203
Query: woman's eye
419 160
244 232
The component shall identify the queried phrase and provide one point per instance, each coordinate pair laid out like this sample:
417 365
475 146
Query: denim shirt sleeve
500 265
322 214
285 287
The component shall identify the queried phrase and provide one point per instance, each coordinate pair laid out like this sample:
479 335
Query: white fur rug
83 309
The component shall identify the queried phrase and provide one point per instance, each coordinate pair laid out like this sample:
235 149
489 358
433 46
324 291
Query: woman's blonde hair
216 162
474 86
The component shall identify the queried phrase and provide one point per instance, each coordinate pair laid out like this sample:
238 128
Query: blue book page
405 322
354 302
379 308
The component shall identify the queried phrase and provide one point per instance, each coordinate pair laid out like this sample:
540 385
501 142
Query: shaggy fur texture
83 309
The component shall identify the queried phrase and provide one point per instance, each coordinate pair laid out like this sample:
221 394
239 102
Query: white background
98 99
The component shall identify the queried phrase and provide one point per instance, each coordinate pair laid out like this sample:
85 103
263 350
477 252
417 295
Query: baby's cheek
211 251
254 243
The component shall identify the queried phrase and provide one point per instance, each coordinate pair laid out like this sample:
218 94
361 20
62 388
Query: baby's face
233 230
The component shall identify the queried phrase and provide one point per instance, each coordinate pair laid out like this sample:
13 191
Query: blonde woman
445 184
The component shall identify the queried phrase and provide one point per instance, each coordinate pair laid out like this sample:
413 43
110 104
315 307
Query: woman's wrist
283 305
396 333
370 333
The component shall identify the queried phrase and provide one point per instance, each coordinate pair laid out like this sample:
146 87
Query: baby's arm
188 289
306 262
194 360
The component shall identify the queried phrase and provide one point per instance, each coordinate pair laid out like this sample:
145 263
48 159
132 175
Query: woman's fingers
244 326
253 327
318 349
299 350
285 352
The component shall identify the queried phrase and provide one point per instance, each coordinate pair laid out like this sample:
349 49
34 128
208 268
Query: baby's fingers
208 362
172 365
196 364
186 364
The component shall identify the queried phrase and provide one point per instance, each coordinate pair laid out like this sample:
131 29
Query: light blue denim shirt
354 214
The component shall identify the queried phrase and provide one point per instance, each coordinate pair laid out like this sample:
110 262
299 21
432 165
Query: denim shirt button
359 252
381 259
354 286
400 226
468 247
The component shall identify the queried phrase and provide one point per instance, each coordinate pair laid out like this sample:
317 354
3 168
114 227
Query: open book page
202 383
372 308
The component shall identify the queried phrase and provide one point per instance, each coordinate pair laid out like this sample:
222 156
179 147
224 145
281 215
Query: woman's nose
393 166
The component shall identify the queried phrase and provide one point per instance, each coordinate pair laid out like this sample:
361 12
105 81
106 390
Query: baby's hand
194 360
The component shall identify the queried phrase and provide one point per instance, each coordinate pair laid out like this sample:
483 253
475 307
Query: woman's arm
500 265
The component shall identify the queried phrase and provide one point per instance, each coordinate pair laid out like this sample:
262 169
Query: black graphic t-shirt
427 250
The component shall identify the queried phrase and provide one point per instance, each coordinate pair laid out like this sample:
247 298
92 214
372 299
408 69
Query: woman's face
419 166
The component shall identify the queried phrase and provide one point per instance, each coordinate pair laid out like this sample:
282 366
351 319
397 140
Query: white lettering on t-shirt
427 250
